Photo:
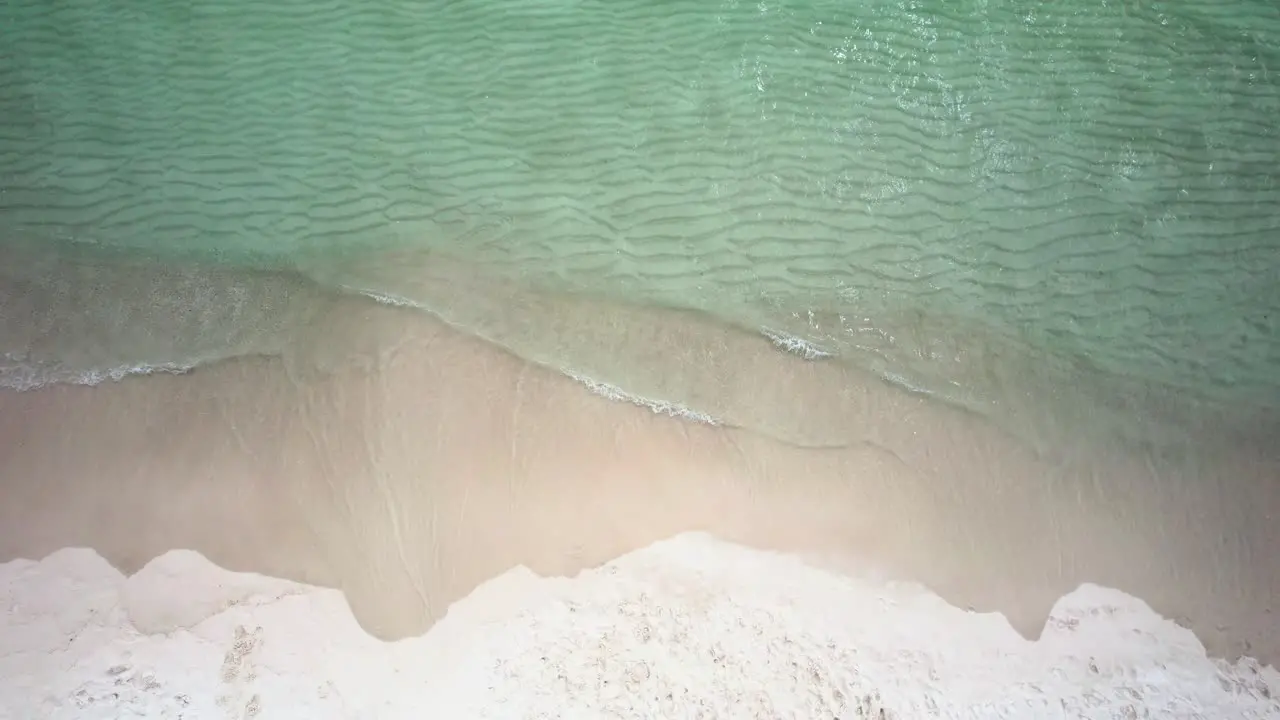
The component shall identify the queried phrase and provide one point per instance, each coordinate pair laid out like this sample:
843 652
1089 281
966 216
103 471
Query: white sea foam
23 377
386 298
660 407
603 389
795 345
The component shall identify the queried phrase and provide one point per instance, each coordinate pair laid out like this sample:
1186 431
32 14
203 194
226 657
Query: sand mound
691 627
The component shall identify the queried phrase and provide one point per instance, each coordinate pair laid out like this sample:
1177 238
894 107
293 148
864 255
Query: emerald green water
1071 205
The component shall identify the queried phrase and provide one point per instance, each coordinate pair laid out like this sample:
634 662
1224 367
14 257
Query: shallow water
1060 217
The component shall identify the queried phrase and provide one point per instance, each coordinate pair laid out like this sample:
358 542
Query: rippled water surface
1011 205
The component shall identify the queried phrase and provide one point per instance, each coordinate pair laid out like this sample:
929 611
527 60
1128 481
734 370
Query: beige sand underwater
433 462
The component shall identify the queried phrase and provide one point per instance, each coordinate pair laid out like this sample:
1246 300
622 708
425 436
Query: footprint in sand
236 696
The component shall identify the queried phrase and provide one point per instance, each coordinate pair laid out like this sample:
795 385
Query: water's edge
85 316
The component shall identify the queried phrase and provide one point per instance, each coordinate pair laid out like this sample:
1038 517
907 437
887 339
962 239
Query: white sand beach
689 627
407 520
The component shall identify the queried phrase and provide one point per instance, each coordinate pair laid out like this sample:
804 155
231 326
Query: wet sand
428 462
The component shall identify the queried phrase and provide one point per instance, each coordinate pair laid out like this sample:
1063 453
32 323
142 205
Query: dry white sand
687 628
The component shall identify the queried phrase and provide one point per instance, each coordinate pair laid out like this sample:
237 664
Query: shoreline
428 462
666 355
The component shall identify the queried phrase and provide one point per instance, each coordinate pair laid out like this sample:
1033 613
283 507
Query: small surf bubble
387 298
660 407
795 345
26 377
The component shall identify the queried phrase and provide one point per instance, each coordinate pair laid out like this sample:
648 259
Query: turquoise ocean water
1057 214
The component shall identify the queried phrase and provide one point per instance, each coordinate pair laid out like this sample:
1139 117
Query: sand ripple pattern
1098 180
